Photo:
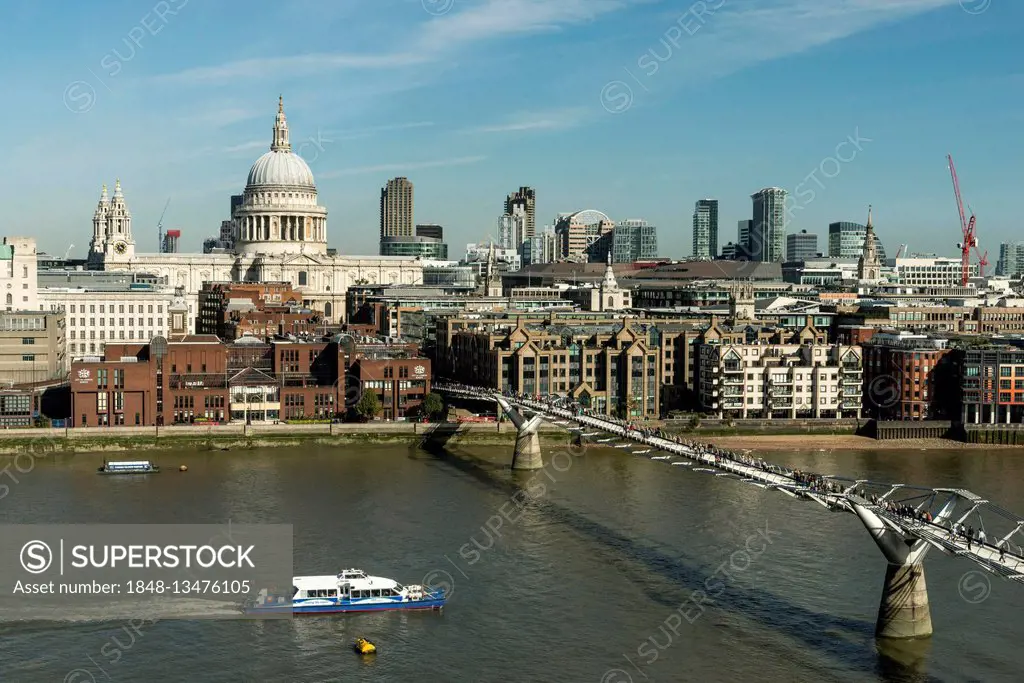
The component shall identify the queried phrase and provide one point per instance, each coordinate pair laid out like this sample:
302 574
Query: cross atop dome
280 143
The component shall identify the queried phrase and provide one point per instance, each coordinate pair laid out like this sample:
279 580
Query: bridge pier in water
903 611
526 455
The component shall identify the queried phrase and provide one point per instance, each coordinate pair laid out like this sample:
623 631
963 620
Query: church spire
104 199
117 189
869 226
280 143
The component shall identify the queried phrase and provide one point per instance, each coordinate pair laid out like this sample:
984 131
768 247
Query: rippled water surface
586 584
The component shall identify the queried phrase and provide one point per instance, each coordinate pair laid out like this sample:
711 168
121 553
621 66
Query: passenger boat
128 467
351 590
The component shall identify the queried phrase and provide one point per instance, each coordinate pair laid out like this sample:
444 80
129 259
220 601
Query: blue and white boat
351 590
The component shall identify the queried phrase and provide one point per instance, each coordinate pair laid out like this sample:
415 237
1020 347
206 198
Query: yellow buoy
365 647
183 468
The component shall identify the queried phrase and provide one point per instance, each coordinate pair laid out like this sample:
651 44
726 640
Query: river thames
585 583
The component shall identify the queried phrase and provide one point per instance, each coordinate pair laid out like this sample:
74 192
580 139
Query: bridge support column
903 611
527 452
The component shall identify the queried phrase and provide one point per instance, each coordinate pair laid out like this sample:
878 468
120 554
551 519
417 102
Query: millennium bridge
905 521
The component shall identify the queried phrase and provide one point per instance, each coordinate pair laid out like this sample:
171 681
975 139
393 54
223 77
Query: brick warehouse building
203 380
911 377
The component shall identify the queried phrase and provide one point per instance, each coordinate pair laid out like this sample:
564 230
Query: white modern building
930 271
18 274
279 233
95 316
479 253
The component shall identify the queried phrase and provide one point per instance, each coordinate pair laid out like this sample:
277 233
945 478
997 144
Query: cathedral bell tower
99 228
112 240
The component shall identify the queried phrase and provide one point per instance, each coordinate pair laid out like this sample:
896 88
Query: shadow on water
903 661
840 637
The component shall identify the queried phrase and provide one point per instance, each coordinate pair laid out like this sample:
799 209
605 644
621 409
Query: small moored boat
364 647
128 467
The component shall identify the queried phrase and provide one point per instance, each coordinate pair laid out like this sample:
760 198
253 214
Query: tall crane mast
160 228
970 233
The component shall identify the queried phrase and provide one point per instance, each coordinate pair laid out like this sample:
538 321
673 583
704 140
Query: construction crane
160 228
970 233
899 252
68 252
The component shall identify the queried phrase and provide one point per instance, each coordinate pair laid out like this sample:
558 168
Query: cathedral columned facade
279 233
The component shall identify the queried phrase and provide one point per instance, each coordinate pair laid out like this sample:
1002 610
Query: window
29 358
101 402
28 340
303 278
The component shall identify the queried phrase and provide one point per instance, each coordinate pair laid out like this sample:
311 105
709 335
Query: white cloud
403 166
288 66
557 119
438 36
246 147
740 35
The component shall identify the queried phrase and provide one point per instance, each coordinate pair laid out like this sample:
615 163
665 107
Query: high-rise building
846 240
512 229
705 229
541 248
743 229
1011 259
170 245
578 231
524 201
396 209
801 246
431 230
634 240
768 236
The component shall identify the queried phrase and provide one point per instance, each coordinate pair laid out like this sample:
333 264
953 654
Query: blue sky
633 107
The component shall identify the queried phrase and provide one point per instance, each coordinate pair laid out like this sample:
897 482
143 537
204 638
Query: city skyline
153 110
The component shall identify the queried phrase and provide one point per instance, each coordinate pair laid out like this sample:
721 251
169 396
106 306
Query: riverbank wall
239 437
809 433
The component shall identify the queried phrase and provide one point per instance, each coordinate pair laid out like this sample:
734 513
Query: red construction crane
970 233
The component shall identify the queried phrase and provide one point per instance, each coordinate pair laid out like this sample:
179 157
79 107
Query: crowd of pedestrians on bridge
811 482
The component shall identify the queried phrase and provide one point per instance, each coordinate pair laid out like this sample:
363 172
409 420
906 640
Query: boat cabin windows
375 593
322 593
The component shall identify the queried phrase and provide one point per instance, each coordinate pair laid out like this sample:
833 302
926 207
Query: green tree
368 405
432 405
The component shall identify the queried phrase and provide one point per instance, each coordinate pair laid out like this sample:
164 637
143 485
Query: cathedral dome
281 166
